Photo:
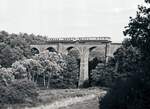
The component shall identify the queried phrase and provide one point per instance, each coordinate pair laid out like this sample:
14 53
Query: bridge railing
80 39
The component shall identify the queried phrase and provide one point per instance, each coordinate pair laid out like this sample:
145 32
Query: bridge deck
72 39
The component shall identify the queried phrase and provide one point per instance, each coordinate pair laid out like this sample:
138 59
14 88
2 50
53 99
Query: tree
127 90
6 76
71 72
133 61
138 30
14 47
49 65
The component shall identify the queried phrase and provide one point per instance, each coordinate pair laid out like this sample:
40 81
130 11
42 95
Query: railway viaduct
84 45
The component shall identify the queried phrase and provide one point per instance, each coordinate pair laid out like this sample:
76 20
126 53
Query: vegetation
14 47
15 91
44 69
131 89
71 73
102 75
127 73
19 91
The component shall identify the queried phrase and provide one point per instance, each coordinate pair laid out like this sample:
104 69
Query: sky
68 18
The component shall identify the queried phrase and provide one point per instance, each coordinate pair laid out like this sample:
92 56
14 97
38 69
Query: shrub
103 75
132 93
6 76
19 91
85 84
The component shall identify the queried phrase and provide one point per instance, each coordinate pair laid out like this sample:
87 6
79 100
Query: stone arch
35 50
51 49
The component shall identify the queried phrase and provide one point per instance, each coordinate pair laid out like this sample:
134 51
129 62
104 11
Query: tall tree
133 59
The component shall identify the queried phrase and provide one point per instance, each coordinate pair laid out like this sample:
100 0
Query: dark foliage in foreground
132 91
102 75
19 91
130 94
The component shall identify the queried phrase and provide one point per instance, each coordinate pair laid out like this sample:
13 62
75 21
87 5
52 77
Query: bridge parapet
80 39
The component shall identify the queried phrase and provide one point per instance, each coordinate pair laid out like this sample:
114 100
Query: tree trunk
36 79
116 66
48 81
44 79
33 77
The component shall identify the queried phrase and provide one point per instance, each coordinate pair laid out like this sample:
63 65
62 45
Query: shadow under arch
34 51
91 48
51 49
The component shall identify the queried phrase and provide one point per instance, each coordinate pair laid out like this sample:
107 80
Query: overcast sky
68 17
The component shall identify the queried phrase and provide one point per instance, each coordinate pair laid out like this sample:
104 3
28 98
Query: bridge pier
107 52
84 67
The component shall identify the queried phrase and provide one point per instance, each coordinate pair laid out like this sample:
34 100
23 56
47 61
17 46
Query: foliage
127 95
93 63
131 90
27 68
86 84
74 53
13 90
14 47
127 90
102 75
6 76
46 65
71 73
49 69
127 61
19 91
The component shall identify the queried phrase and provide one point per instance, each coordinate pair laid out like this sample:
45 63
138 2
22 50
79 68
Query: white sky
67 17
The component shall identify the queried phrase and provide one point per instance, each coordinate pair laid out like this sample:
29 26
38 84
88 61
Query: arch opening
34 51
51 49
69 48
90 49
96 56
74 65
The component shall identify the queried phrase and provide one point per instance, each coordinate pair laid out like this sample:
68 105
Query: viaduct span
84 45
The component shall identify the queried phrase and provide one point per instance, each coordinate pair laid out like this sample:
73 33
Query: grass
53 95
49 96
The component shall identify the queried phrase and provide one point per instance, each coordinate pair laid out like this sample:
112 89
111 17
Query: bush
103 75
6 76
19 91
132 93
85 84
